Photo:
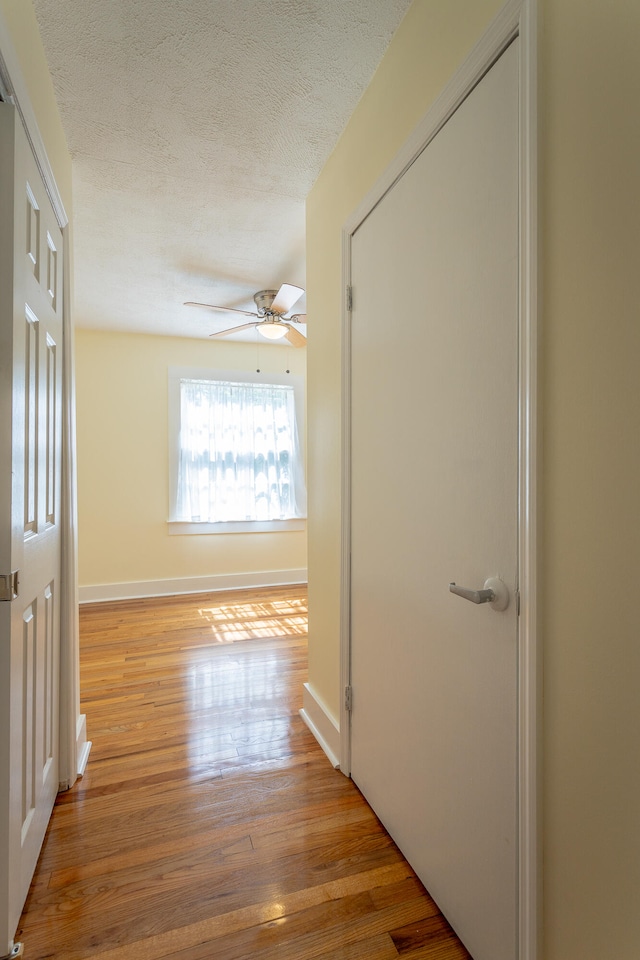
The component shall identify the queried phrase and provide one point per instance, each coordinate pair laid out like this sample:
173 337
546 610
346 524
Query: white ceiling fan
270 317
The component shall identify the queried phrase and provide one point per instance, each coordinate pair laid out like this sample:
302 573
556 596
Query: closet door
434 501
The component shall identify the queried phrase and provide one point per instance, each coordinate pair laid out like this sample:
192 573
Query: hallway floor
209 824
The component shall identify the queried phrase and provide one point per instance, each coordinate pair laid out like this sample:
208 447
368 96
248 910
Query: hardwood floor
209 824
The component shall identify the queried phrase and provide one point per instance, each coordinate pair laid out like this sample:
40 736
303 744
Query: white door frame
73 745
518 18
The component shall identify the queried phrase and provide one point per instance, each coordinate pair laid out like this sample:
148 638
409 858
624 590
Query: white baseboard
322 725
83 746
100 592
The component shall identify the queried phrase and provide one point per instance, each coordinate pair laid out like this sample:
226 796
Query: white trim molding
517 18
530 467
82 751
181 528
83 746
322 724
139 589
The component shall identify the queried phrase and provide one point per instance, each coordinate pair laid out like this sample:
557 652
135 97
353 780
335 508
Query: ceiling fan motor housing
264 299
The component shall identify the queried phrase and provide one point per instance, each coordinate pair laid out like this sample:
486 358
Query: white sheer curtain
239 457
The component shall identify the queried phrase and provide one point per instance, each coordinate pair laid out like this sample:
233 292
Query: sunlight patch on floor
251 621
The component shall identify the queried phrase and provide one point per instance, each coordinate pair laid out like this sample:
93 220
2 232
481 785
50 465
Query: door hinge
9 585
348 698
349 298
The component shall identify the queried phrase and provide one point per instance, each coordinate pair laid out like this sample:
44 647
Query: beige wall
21 23
590 163
123 471
590 386
429 45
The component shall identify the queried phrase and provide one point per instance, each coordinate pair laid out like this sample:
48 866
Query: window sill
178 528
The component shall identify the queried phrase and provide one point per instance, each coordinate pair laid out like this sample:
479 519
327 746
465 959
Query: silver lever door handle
476 596
494 592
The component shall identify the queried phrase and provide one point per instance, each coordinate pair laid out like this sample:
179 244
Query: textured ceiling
197 128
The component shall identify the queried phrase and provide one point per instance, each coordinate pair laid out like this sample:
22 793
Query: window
236 462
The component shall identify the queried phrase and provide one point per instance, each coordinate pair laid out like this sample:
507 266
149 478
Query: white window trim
180 528
176 374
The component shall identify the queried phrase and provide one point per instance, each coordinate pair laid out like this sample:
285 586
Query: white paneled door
434 427
30 385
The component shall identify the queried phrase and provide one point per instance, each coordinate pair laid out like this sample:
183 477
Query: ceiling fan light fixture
272 329
271 306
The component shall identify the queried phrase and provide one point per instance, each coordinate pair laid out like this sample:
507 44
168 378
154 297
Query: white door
434 500
30 385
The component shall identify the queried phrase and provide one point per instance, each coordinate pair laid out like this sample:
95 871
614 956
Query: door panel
434 500
30 373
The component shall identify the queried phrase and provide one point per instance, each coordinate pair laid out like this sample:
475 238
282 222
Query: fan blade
298 318
295 337
213 306
224 333
287 295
